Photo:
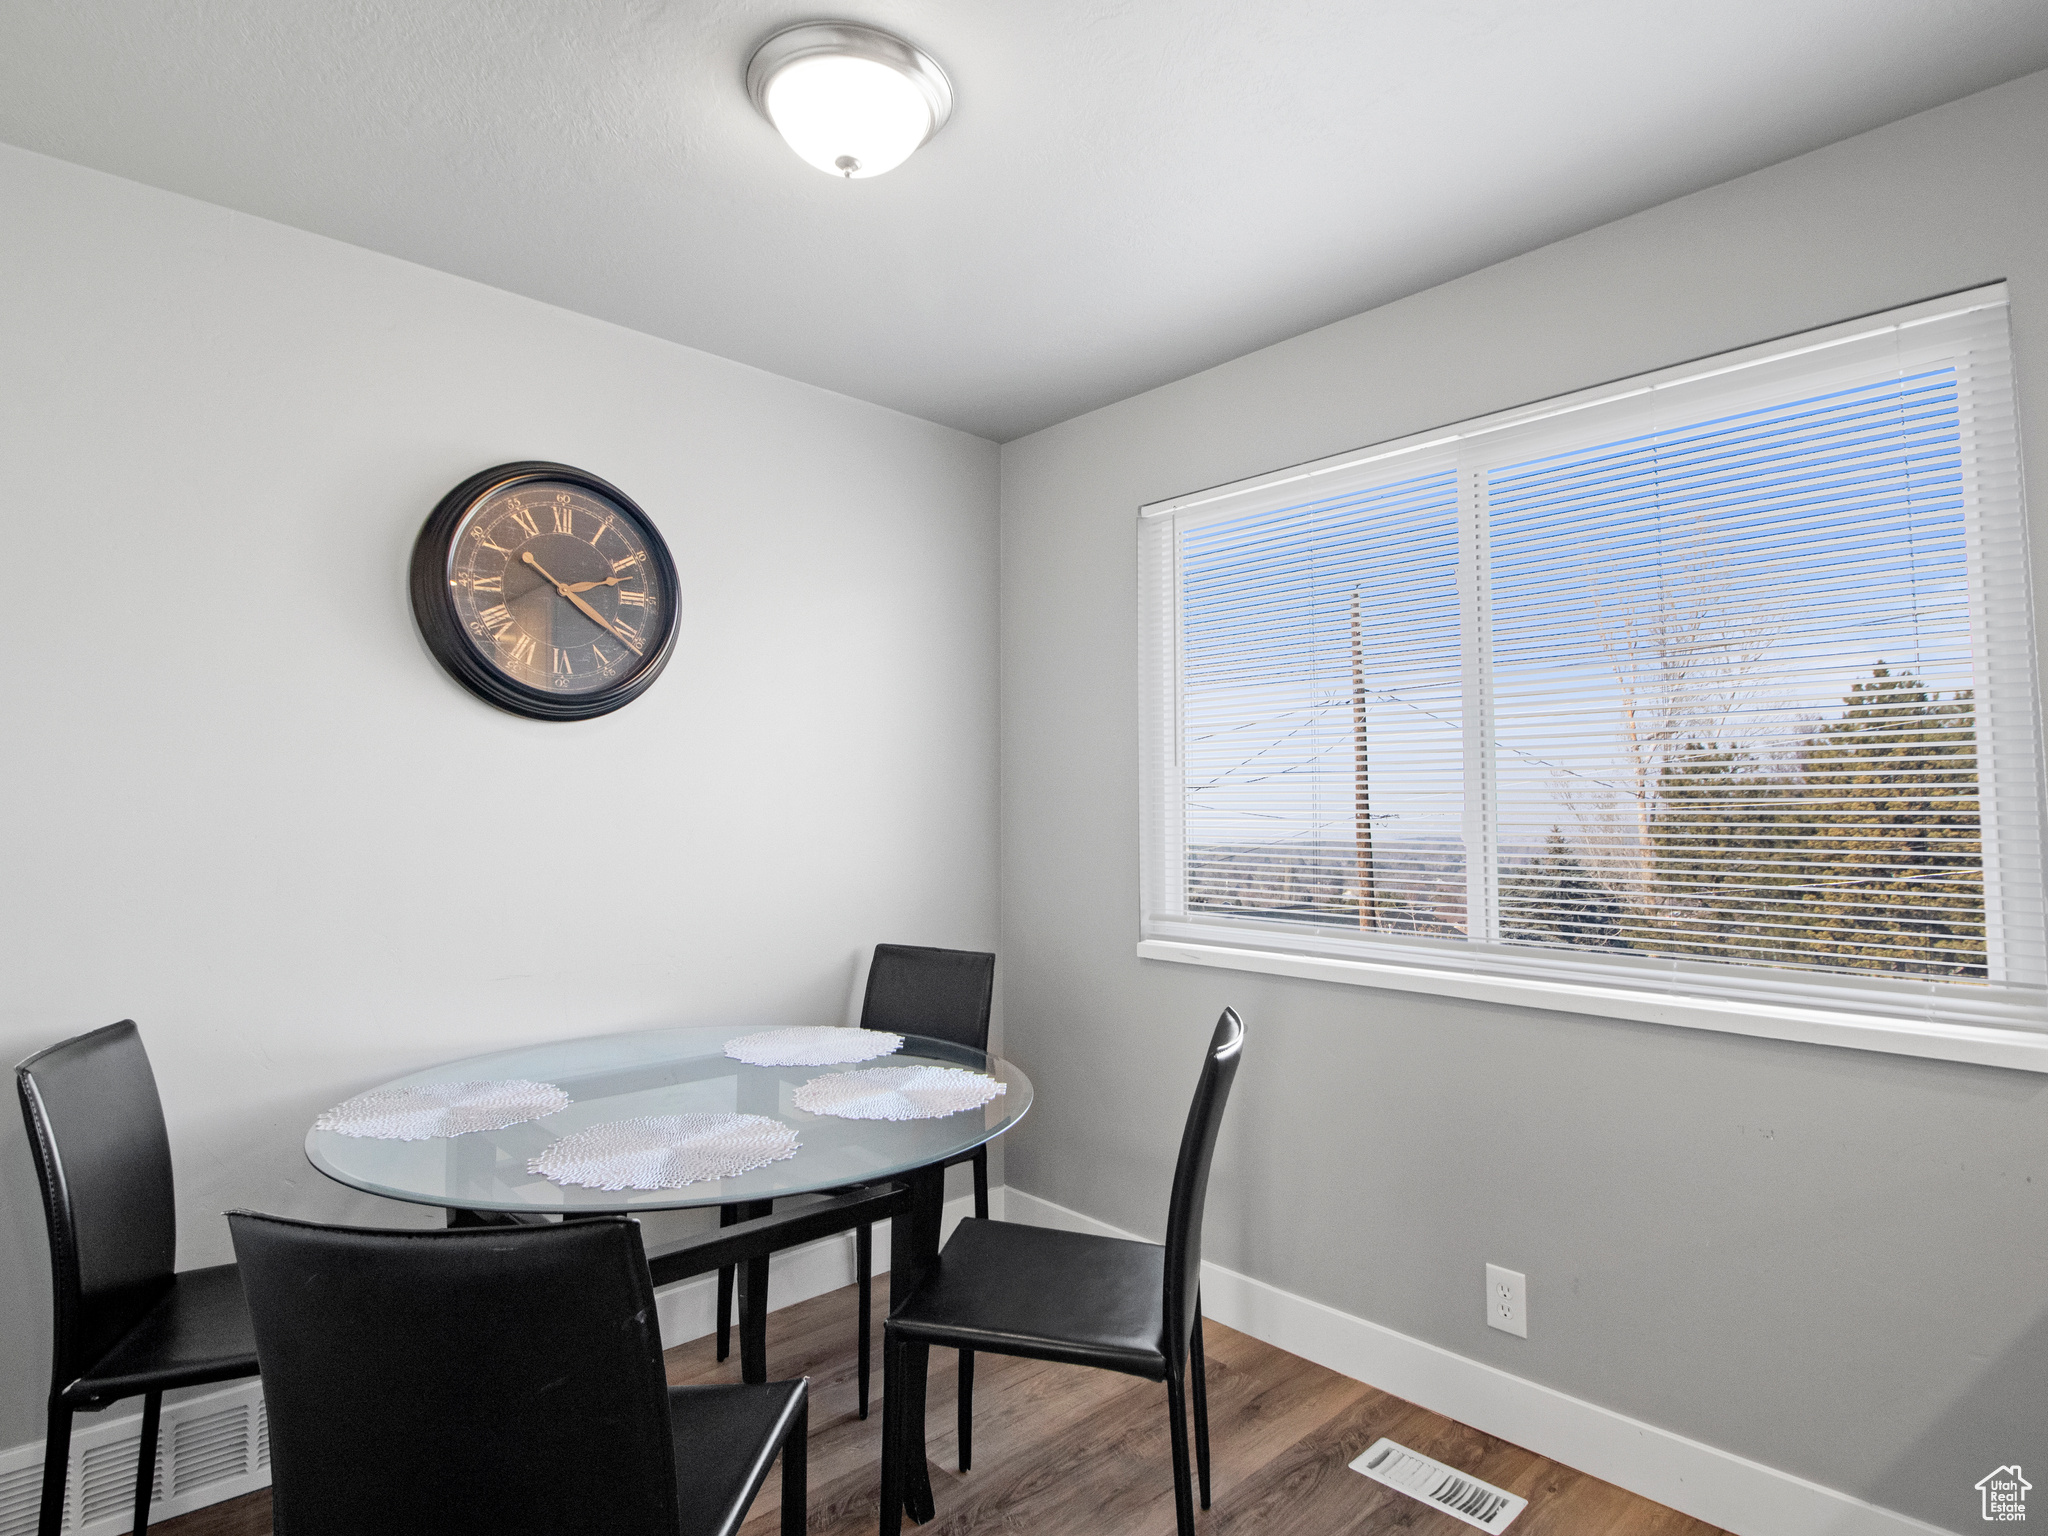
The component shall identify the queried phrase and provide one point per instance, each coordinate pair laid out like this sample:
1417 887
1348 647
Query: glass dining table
482 1177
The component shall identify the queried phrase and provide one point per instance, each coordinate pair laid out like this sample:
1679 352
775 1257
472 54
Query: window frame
1788 1004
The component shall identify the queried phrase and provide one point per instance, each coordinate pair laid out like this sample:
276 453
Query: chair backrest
501 1379
944 993
96 1128
1191 1182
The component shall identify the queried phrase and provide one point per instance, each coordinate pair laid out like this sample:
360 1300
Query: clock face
546 591
555 587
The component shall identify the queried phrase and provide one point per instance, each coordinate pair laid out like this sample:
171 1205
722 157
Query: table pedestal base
913 1245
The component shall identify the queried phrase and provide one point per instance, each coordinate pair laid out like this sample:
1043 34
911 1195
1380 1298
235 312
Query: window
1715 684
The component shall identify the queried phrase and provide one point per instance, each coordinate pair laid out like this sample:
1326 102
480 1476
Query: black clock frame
433 605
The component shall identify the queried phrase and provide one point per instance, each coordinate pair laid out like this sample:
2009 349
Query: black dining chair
1046 1294
500 1381
912 990
127 1322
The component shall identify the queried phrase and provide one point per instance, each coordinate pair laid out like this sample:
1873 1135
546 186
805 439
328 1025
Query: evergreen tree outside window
1717 682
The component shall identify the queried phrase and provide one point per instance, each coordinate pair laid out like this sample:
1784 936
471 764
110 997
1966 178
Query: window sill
2020 1050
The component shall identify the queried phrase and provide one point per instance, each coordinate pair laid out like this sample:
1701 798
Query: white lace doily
442 1109
665 1151
812 1046
898 1093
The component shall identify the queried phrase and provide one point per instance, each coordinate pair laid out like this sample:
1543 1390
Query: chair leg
796 1452
1201 1394
864 1262
1183 1493
893 1394
56 1462
966 1397
727 1215
981 1181
145 1459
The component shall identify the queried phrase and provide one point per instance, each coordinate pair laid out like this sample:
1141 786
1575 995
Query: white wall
245 807
1828 1261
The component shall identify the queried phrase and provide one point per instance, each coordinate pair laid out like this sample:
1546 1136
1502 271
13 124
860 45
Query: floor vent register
1458 1493
211 1446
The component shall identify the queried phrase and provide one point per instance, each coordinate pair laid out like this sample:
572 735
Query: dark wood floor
1059 1449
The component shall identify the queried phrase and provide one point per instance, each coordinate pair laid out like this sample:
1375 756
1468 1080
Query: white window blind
1717 683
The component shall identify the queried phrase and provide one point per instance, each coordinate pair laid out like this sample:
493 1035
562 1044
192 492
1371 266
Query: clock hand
567 587
598 618
594 616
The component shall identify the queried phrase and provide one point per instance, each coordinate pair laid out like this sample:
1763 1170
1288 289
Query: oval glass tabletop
662 1072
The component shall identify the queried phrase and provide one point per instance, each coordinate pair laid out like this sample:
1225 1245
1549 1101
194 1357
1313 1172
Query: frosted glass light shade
849 117
850 100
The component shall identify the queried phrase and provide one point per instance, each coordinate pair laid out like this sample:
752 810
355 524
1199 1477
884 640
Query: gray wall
1831 1262
245 807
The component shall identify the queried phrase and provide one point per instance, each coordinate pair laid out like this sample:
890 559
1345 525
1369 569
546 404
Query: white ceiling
1129 191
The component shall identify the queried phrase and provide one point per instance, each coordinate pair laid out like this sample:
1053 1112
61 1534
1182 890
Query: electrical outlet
1507 1301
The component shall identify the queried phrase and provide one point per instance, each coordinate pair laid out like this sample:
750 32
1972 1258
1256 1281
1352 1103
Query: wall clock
545 591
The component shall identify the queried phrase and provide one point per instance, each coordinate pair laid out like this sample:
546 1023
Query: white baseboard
1716 1486
215 1446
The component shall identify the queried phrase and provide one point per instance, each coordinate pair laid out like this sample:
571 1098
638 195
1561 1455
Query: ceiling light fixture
850 100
